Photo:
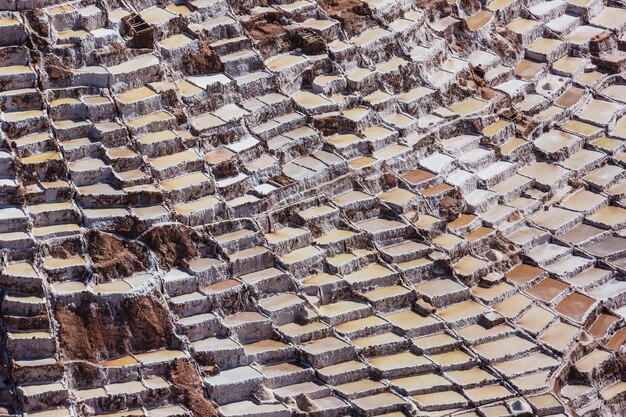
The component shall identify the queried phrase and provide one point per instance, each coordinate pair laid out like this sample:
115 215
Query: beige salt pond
470 377
59 412
336 235
599 111
544 401
175 41
468 265
360 163
522 26
8 22
321 279
112 287
378 340
397 361
610 18
370 272
461 311
156 15
420 382
189 180
556 140
478 20
188 89
157 356
513 306
434 341
496 5
468 106
343 141
490 294
180 9
21 269
157 137
609 216
527 69
544 173
544 46
589 362
443 399
14 70
120 362
439 287
138 94
55 263
590 78
559 336
351 388
285 61
476 332
616 92
398 196
525 364
340 308
535 319
510 346
487 393
409 319
358 325
69 287
569 64
160 116
196 206
301 254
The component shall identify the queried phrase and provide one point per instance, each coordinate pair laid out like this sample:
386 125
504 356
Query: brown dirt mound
201 61
451 206
83 334
113 258
149 323
85 374
172 243
188 388
354 15
268 30
95 331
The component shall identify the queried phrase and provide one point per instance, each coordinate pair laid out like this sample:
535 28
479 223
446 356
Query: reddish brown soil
112 258
84 374
274 35
84 335
188 388
354 15
149 323
282 180
38 21
94 331
59 74
202 61
434 8
503 245
268 30
172 243
523 124
450 206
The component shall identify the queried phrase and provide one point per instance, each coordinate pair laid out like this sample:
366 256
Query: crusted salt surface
331 207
